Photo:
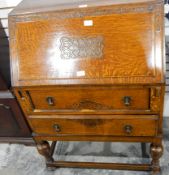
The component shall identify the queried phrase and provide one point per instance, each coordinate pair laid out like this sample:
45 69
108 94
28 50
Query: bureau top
87 42
32 6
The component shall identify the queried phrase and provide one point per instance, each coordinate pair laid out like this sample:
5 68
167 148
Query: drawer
71 99
127 125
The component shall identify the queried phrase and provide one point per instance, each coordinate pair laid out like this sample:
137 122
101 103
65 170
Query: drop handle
128 129
57 128
127 100
50 101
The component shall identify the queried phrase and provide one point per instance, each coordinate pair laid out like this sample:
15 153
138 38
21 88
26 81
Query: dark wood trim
18 140
98 138
114 166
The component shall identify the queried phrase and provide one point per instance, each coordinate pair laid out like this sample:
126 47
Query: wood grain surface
79 98
132 41
95 125
90 99
94 73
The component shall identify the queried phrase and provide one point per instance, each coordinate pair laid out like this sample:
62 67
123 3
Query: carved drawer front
87 99
95 125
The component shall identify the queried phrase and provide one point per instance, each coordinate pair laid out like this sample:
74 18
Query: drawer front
88 99
96 125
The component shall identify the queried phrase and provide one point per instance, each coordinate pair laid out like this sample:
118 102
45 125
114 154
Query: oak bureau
90 71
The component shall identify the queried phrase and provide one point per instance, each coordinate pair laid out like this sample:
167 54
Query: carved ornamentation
92 12
87 104
91 123
158 17
155 99
75 48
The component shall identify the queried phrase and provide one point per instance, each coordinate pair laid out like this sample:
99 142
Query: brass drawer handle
128 129
57 127
127 100
50 101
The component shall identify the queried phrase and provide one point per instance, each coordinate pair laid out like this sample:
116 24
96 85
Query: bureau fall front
90 71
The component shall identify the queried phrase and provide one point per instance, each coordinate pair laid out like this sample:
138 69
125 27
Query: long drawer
81 99
115 125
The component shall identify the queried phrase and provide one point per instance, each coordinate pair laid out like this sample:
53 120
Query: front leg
156 151
43 148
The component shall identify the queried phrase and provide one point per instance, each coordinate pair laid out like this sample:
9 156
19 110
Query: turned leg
156 152
43 148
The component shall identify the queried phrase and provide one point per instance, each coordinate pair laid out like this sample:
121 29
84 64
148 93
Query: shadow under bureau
90 72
